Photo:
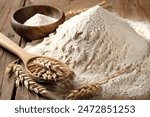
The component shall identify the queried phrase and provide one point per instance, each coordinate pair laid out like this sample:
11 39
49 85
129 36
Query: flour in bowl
96 44
39 20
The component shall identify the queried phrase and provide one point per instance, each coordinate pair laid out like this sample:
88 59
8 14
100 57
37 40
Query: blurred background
134 9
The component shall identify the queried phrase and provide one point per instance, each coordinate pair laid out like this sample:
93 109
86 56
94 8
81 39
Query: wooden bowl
36 32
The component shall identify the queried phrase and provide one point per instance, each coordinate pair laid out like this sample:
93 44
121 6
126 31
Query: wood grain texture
67 5
6 9
24 94
135 9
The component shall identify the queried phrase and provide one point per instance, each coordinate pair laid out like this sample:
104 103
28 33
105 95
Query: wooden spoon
26 57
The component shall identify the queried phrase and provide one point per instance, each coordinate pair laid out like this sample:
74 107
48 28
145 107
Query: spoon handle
6 43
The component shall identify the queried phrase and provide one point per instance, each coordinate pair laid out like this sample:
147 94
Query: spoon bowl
45 67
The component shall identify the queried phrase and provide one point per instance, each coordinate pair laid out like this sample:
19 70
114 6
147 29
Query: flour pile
39 20
142 28
97 43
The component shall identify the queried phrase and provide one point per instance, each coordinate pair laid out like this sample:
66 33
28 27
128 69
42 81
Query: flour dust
95 44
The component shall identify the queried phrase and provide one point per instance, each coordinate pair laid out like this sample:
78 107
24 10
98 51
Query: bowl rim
41 26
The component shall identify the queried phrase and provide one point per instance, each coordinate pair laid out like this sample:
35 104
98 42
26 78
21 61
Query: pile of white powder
39 20
97 43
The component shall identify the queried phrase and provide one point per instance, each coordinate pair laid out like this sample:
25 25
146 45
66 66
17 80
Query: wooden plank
81 4
67 5
24 94
135 9
7 7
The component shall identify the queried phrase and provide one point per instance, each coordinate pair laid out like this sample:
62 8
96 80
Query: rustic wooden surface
8 90
133 9
6 9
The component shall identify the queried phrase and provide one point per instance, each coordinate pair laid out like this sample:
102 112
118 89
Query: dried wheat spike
9 68
70 14
88 91
73 13
49 70
24 78
84 92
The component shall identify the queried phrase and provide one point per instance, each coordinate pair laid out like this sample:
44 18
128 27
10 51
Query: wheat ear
88 91
84 92
50 70
72 13
23 78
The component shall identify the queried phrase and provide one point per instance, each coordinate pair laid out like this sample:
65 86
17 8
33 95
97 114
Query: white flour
142 28
97 43
39 19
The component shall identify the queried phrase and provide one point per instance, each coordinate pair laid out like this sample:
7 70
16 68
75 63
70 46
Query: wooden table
8 91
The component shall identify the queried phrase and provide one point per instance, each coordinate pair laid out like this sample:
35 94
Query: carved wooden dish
36 32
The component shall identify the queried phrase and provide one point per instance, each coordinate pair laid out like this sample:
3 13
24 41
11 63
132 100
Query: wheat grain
9 68
87 92
84 92
23 78
49 70
73 13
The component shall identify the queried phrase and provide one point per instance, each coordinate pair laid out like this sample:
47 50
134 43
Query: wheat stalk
86 92
23 78
72 13
50 70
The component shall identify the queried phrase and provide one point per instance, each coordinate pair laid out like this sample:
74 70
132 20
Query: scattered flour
97 43
142 28
39 19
